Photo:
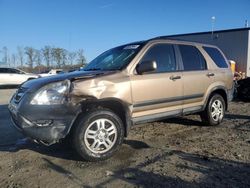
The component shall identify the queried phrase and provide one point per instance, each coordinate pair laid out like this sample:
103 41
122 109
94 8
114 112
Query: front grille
16 122
20 93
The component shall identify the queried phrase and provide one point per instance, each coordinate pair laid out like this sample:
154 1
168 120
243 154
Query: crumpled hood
39 82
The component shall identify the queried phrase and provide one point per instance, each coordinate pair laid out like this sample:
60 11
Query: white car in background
12 76
52 72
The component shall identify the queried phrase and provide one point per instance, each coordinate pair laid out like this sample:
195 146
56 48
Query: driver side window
163 55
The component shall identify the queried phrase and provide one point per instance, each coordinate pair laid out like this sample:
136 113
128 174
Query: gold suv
130 84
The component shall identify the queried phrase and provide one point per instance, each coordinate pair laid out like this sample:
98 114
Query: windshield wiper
92 69
111 69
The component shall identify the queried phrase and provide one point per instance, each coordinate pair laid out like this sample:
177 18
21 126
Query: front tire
214 111
98 135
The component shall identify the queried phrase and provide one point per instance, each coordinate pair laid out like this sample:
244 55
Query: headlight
54 93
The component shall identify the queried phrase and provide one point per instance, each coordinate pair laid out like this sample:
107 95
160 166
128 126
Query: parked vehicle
13 76
127 85
52 72
243 89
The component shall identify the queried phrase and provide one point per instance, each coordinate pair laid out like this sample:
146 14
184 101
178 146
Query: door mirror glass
146 66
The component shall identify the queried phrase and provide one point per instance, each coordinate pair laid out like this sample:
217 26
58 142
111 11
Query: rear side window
12 71
216 56
2 70
192 58
164 56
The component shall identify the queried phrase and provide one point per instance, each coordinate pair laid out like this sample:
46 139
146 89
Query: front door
158 92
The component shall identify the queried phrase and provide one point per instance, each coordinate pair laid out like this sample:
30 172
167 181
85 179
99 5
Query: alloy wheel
100 136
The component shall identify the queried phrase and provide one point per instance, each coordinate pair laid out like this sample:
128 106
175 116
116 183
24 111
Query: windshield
114 59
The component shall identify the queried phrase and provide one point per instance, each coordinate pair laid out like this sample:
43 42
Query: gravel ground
177 152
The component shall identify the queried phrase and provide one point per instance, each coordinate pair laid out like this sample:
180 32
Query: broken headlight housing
52 94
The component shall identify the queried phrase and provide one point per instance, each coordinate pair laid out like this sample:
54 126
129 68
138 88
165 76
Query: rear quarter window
216 56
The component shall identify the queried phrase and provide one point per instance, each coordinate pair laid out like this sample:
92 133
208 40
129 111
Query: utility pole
246 23
213 24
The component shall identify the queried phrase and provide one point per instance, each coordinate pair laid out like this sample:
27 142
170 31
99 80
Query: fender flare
223 88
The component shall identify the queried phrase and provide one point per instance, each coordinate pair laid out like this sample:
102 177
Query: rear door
223 70
159 91
196 77
16 77
13 77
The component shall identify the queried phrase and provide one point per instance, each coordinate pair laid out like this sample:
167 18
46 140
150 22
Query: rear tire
98 135
214 111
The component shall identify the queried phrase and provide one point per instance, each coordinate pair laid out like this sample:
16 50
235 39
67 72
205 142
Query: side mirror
146 66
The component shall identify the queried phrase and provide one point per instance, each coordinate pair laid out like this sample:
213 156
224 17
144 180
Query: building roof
208 32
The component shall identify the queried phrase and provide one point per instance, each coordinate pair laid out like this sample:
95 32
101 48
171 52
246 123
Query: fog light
43 123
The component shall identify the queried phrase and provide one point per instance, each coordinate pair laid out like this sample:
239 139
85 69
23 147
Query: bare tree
30 52
57 56
38 57
47 55
13 60
80 57
20 52
5 55
71 57
64 57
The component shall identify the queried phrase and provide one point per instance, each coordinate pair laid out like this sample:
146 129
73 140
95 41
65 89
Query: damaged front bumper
45 124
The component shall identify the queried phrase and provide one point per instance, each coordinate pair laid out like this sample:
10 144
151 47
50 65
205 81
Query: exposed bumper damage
48 125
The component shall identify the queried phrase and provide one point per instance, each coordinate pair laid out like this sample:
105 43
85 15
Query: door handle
210 74
175 78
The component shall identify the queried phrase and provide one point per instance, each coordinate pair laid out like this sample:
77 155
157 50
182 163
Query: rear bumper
230 93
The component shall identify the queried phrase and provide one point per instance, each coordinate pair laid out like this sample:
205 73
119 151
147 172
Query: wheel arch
115 105
217 90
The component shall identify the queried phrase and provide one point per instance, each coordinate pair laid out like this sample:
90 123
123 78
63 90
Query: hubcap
217 111
100 136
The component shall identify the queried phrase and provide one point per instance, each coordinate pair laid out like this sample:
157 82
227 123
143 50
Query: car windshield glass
114 59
